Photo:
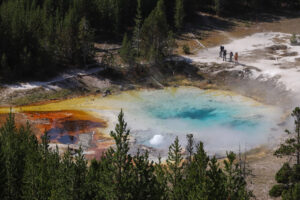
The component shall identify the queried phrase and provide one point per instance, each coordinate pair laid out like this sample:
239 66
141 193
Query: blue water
199 116
223 121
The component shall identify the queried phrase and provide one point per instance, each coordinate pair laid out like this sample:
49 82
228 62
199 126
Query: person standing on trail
224 55
221 51
231 55
236 57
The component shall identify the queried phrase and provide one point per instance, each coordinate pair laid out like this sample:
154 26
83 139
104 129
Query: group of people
223 54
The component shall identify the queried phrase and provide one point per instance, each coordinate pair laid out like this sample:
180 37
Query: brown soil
213 30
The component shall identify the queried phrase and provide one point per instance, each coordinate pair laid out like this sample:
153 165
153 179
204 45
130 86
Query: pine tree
288 178
63 187
235 183
17 145
291 147
94 181
9 148
220 7
191 6
196 175
137 29
2 172
145 183
179 14
4 65
154 34
32 185
85 40
161 176
175 171
107 176
119 163
216 181
48 167
117 15
190 147
126 50
80 169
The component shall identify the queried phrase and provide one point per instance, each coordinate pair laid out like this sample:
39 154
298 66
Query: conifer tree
9 148
119 162
190 147
179 14
4 65
175 171
216 181
137 29
80 176
161 176
85 37
63 187
145 182
288 177
2 172
126 50
32 187
196 174
32 184
48 167
94 181
220 7
235 183
154 34
291 147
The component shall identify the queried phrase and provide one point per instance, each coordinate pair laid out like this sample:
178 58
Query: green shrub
293 39
276 190
186 49
284 174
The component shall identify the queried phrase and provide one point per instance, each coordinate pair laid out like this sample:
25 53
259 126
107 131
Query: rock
131 87
294 53
85 140
276 47
106 93
209 82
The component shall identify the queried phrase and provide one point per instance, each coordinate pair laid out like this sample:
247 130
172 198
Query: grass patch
41 96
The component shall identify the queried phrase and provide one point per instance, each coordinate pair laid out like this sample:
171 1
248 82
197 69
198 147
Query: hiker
231 55
236 57
221 51
224 55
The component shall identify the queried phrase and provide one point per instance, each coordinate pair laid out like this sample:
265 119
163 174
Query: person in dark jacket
221 51
224 55
231 55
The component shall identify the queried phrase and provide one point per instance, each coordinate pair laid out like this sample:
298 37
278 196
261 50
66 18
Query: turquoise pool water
222 120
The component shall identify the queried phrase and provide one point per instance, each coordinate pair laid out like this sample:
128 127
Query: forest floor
202 35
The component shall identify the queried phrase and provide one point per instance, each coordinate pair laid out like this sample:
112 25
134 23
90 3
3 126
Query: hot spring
222 120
